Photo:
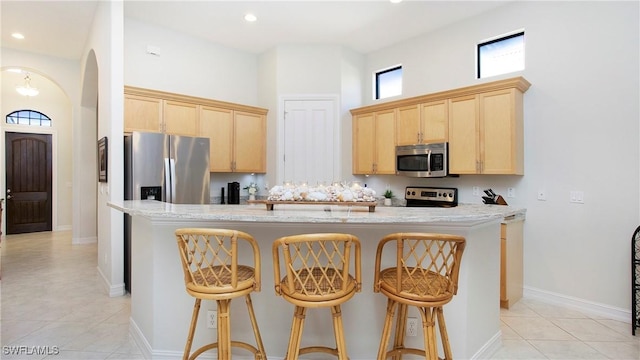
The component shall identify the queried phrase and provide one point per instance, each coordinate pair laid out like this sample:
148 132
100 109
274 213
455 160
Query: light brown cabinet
511 269
239 138
374 143
151 114
483 125
180 118
142 113
423 123
237 132
486 133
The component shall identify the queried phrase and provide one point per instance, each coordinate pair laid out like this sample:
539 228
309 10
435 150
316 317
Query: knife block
500 200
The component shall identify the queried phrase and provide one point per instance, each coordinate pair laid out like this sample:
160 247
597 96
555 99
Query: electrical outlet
412 326
511 192
212 319
542 195
476 191
576 197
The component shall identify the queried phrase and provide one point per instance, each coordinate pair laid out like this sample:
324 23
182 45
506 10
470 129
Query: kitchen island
161 309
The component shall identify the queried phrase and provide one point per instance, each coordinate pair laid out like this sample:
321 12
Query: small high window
388 82
501 56
28 117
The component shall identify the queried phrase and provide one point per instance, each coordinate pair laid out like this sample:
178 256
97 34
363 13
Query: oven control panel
431 196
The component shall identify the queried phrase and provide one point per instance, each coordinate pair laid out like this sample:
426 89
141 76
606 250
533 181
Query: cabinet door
180 118
408 125
385 144
217 125
363 143
501 133
435 122
249 142
142 114
463 135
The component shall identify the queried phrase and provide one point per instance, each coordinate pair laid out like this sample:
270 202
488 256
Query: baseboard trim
84 240
491 347
112 290
582 305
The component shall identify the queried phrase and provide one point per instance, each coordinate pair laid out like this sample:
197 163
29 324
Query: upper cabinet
422 123
374 143
142 113
486 133
483 125
180 118
237 132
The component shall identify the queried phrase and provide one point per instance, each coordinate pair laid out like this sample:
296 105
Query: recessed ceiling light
17 36
15 70
250 17
395 1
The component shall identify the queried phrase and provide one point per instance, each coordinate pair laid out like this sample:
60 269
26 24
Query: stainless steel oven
423 160
422 196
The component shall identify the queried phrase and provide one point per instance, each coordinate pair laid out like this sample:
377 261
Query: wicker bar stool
317 275
425 276
211 272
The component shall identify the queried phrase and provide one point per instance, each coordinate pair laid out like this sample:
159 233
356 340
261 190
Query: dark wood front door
29 172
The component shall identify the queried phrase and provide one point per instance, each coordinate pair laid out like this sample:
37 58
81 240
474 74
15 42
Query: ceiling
61 28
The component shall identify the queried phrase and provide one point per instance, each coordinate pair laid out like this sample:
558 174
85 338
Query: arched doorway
53 101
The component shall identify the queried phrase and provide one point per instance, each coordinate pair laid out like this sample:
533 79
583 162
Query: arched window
28 117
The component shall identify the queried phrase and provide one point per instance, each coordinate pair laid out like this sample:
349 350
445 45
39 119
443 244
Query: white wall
581 133
105 41
187 65
57 81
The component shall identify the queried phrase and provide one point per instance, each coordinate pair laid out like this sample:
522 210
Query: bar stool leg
192 329
338 331
443 334
296 333
386 330
428 327
261 355
224 330
401 325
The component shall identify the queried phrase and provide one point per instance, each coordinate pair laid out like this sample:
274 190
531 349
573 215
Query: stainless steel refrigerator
166 168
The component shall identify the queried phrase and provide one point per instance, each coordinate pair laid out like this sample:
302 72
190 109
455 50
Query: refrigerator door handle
172 165
167 180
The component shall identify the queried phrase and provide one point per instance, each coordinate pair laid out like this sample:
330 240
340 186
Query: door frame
26 129
335 99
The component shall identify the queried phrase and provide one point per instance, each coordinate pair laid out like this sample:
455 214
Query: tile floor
51 297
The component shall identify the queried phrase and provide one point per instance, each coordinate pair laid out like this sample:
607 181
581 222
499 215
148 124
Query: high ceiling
61 28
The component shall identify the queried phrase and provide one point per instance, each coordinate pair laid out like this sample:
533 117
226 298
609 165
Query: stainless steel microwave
423 160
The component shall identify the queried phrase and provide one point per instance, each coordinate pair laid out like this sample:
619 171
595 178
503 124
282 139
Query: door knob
9 197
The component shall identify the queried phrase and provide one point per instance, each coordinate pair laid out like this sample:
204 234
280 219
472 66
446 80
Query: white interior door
310 140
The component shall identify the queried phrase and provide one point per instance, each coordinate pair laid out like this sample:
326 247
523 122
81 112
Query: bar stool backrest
426 265
210 260
324 256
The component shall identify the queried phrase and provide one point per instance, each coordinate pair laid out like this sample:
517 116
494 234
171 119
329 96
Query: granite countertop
303 213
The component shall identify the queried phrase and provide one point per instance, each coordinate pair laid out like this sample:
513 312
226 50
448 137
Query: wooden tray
370 204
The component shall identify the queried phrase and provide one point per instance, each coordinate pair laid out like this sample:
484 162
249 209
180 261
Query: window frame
376 80
33 120
499 38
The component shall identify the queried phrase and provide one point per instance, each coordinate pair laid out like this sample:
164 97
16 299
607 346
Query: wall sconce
27 89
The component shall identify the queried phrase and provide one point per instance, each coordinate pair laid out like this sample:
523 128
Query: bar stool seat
317 268
209 260
425 276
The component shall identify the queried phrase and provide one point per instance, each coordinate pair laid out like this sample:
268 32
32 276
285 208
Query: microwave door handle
429 162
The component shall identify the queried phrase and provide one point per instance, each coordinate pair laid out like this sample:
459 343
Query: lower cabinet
511 274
